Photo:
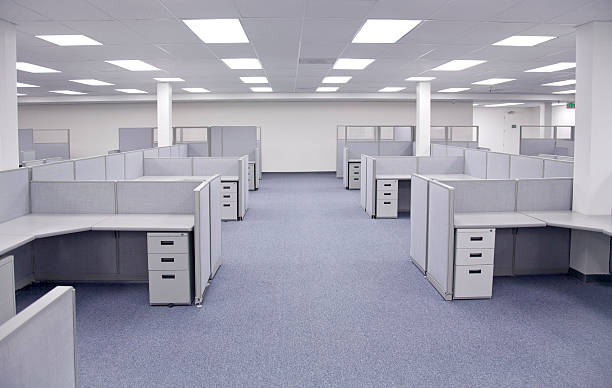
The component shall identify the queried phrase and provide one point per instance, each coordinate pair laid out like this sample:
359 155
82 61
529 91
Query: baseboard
590 278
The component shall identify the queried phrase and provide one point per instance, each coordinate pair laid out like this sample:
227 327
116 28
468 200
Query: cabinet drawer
473 281
169 261
354 166
167 243
169 287
229 211
474 256
380 195
229 197
476 238
386 209
251 167
355 173
386 184
354 183
231 187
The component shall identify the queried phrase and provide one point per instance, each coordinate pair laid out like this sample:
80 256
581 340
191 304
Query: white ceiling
283 32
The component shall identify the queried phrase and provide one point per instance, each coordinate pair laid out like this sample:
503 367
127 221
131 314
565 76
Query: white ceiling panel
321 50
540 10
330 30
349 9
414 9
163 31
271 8
472 10
107 32
131 9
66 9
45 28
232 50
210 9
190 51
14 12
438 32
597 10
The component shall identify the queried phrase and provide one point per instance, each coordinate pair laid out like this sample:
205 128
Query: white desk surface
496 220
449 177
45 225
574 220
9 242
185 178
399 177
146 222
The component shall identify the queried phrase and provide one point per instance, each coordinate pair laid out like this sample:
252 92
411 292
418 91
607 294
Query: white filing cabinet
474 251
354 175
7 289
229 200
252 176
386 198
170 268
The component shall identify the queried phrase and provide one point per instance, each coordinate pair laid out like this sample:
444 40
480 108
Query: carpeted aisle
314 293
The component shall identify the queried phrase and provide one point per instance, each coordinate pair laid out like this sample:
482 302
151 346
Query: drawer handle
226 205
167 242
387 184
355 179
386 193
476 238
227 187
475 271
475 254
226 195
167 259
387 203
168 276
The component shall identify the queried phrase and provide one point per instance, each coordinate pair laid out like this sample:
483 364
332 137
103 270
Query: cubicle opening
547 140
37 144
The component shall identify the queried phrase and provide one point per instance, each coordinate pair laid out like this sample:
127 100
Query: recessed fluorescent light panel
70 40
523 40
503 104
91 82
352 63
169 79
558 103
218 30
420 79
133 65
242 63
493 81
475 104
30 68
261 89
254 80
71 92
453 90
196 90
550 68
566 92
131 91
21 94
384 30
336 80
391 89
327 88
22 85
561 83
458 64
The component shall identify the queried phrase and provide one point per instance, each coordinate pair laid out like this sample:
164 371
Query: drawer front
229 211
355 166
168 262
474 256
251 183
167 243
475 238
386 184
473 281
229 187
355 173
354 182
380 195
251 167
229 197
386 209
167 287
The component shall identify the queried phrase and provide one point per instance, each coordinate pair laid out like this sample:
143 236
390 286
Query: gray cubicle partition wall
419 198
371 186
8 308
558 168
544 194
115 167
26 144
202 240
84 197
564 147
168 167
209 166
15 194
395 148
476 163
134 164
363 181
90 169
199 149
484 195
437 149
164 152
498 165
27 155
59 171
526 167
38 345
440 165
153 197
537 146
455 151
345 160
215 224
151 153
131 139
243 186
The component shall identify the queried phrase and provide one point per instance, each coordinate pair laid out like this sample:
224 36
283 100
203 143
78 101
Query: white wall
563 116
296 136
496 130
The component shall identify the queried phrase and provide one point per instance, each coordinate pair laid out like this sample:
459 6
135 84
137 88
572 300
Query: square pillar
423 118
164 114
9 139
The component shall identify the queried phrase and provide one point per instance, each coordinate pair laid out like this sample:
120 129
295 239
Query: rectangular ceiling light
242 63
352 63
523 40
336 80
133 65
70 40
458 64
550 68
327 89
573 91
30 68
22 85
391 89
561 83
21 94
453 90
503 104
493 81
254 80
71 92
558 103
131 91
91 82
420 79
218 30
384 30
261 89
171 79
196 90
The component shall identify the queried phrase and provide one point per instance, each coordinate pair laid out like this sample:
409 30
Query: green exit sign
513 125
571 105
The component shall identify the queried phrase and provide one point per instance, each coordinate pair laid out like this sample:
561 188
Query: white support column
423 118
593 164
164 114
546 119
9 143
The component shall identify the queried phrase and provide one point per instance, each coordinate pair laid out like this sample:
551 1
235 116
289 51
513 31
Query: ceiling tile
189 9
132 9
66 9
271 8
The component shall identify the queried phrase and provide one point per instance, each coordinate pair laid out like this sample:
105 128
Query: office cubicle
131 139
543 139
466 136
38 144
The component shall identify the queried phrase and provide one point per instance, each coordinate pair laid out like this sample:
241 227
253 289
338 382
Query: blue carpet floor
314 293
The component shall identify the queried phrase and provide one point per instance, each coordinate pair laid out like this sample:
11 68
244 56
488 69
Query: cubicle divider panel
340 145
544 194
26 141
564 147
440 165
60 171
498 166
395 148
15 194
537 146
115 167
541 251
487 195
25 156
243 178
197 149
558 169
134 164
371 186
396 165
131 139
356 148
168 167
454 151
90 197
476 163
202 234
419 198
175 151
150 153
24 265
438 149
239 140
215 165
363 181
164 152
183 150
522 167
258 163
49 150
146 197
90 169
42 336
215 224
7 289
345 174
440 238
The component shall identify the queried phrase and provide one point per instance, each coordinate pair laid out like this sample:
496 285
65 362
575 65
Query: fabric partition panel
396 165
363 181
27 155
258 164
202 240
440 165
7 289
537 146
25 139
239 140
476 163
487 195
339 152
498 166
215 141
522 167
183 150
558 169
345 174
371 185
168 167
148 197
395 148
60 171
50 150
15 194
115 167
419 194
215 223
94 197
243 187
131 139
212 166
438 149
454 151
164 152
39 343
32 163
197 149
90 169
440 238
175 151
564 147
134 165
356 148
150 153
544 194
